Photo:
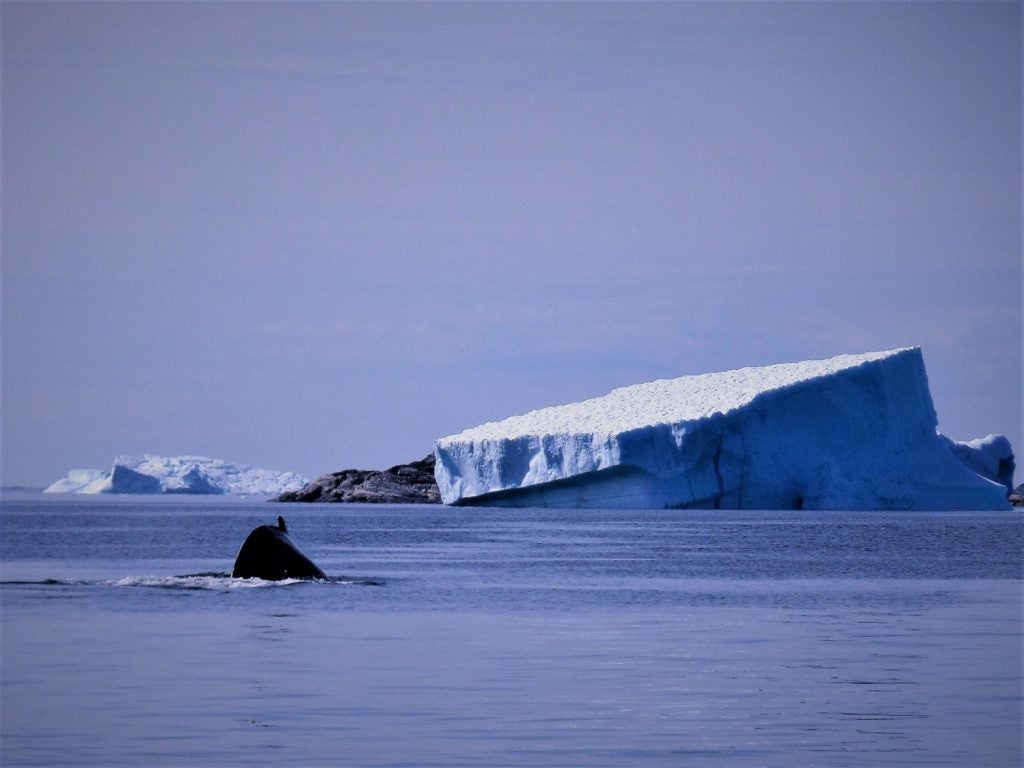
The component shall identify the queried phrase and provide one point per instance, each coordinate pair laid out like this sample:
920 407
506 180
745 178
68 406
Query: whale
269 553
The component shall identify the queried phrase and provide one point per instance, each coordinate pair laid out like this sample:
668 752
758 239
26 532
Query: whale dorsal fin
280 524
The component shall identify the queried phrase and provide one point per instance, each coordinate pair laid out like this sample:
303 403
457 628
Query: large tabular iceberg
178 474
851 432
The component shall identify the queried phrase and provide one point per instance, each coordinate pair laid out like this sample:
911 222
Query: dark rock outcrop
402 484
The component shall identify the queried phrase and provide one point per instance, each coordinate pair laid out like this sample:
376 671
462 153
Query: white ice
850 432
178 474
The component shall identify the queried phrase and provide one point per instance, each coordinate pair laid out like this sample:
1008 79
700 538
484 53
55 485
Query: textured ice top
666 401
225 476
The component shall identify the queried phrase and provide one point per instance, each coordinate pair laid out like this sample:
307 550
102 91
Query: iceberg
851 432
151 474
78 480
990 457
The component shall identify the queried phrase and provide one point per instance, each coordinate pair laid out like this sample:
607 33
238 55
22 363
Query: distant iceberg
178 474
850 432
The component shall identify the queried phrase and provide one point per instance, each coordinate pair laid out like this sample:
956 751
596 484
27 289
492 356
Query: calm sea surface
501 637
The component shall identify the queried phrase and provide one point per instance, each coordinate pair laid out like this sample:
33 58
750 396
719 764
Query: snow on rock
850 432
178 474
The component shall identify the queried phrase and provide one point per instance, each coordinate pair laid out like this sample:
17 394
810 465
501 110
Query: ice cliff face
851 432
178 474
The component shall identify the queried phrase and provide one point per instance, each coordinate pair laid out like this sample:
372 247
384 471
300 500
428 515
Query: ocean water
505 637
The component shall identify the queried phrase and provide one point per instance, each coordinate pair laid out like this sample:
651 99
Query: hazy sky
314 236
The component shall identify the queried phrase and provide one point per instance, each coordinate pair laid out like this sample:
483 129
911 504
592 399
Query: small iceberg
149 474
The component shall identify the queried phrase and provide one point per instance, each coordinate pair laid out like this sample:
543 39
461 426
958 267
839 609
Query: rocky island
411 483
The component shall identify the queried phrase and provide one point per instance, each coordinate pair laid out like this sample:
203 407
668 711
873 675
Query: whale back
269 553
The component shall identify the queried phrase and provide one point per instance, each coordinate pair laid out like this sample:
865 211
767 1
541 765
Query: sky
313 236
